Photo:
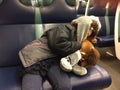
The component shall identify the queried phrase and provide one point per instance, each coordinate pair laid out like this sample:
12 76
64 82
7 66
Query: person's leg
59 79
32 82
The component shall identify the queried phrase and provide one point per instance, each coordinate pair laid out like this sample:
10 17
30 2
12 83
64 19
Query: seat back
17 24
105 10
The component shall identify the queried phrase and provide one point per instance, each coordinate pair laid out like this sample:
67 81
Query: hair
94 28
74 24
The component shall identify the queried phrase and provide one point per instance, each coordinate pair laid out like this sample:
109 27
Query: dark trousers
58 79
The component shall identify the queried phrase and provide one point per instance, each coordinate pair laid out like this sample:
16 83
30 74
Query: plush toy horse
88 56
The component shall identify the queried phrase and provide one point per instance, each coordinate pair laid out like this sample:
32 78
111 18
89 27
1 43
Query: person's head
87 27
90 55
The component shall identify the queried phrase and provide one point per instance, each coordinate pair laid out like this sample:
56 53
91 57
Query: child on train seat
41 58
70 62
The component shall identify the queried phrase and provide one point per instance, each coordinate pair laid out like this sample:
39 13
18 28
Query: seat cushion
9 79
103 41
97 78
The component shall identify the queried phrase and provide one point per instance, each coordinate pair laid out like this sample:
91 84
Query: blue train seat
105 10
17 28
106 14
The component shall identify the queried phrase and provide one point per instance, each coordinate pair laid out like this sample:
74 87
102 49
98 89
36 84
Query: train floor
112 65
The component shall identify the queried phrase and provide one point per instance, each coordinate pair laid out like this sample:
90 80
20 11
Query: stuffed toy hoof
78 70
65 64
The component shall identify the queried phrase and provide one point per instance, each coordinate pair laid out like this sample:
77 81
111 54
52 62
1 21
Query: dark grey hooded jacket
59 41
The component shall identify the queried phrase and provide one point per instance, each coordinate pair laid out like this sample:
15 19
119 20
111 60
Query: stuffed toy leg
70 63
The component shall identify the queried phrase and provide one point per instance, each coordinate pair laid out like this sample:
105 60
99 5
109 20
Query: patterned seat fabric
17 28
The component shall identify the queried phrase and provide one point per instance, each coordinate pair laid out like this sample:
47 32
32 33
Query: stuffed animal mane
90 55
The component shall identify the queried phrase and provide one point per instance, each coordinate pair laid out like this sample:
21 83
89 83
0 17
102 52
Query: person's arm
59 41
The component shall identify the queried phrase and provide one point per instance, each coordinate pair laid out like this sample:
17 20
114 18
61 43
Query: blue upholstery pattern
96 79
106 37
14 37
9 79
17 28
21 14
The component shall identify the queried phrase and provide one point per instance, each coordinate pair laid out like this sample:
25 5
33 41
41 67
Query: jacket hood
83 25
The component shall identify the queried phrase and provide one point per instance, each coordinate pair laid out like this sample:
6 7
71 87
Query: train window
83 3
46 2
37 3
26 2
71 2
1 2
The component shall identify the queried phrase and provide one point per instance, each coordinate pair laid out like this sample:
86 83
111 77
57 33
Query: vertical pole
117 32
86 10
